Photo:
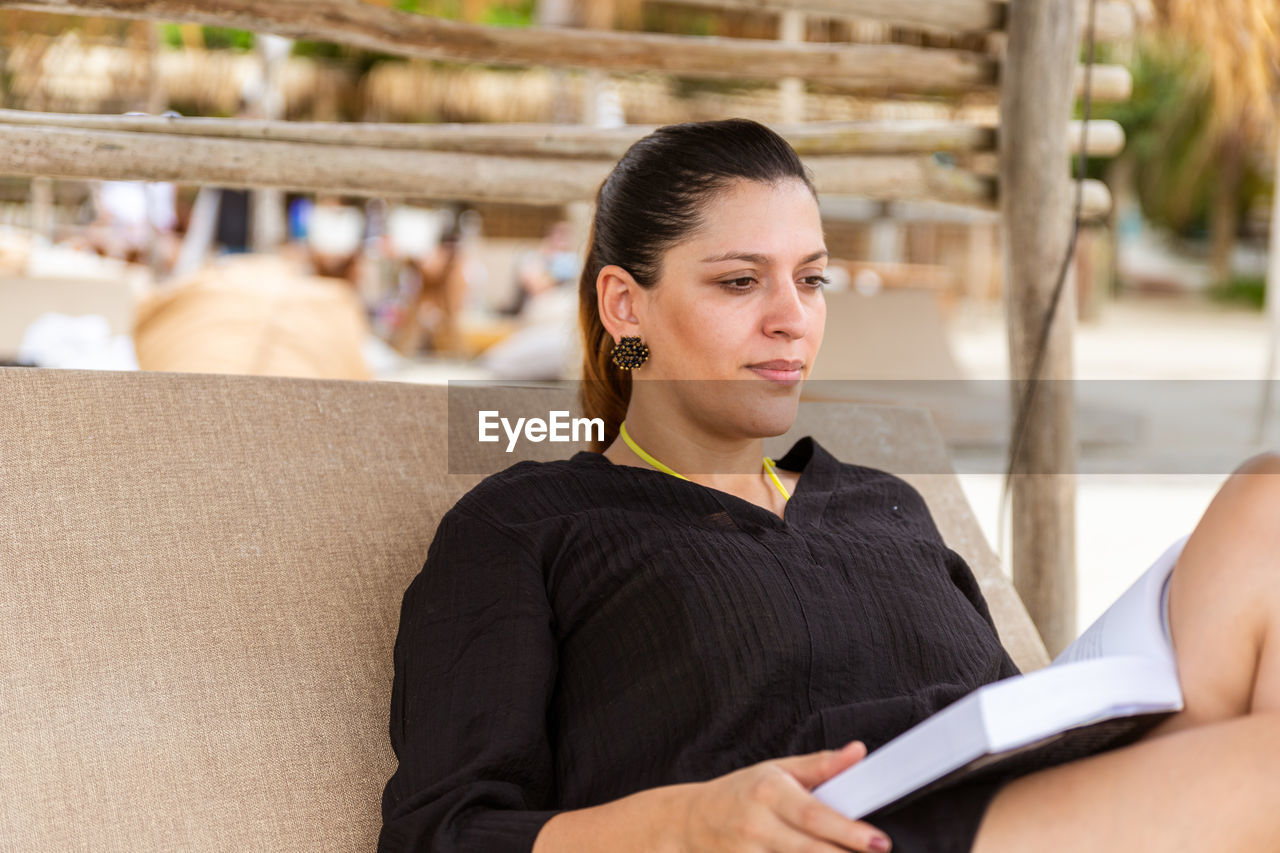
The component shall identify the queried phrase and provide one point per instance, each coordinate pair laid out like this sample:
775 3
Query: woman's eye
816 282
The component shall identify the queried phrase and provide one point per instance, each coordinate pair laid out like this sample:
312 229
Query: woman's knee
1250 498
1260 473
1267 462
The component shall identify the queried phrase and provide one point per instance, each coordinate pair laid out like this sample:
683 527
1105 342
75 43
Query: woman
666 645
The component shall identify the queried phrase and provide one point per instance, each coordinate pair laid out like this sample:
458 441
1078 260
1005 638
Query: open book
1117 680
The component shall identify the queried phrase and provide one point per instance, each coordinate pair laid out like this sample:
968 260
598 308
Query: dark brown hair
652 200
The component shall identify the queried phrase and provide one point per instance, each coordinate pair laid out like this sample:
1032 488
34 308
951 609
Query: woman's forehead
752 227
726 208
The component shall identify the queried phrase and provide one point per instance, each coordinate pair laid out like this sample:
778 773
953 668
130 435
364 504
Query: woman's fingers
787 838
787 796
815 819
815 768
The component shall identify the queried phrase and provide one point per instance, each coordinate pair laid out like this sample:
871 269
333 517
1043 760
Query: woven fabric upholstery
200 583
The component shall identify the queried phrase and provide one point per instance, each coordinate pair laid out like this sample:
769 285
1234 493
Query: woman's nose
787 311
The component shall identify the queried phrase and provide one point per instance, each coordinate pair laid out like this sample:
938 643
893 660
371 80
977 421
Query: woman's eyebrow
756 258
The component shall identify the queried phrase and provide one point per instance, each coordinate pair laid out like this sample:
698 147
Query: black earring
629 353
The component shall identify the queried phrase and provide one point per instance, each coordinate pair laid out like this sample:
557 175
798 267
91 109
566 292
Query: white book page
1054 699
1136 624
1115 671
947 740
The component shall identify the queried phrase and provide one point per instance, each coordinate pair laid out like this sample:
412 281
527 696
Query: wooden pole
818 138
42 219
157 103
200 232
556 14
1115 19
791 30
157 97
899 68
598 15
1035 205
267 213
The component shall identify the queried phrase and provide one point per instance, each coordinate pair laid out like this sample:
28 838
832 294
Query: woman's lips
783 377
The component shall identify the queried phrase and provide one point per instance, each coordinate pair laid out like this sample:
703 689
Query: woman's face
743 290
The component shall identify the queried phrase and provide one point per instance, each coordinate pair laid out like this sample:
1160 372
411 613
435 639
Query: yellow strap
622 428
768 463
768 466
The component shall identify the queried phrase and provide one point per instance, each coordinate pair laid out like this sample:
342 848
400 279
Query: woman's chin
770 417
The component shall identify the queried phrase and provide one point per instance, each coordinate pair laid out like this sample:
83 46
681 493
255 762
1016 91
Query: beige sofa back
200 583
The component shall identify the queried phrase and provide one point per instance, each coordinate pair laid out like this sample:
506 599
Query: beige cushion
202 578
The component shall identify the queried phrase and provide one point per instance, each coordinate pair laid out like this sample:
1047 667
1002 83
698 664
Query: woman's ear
618 297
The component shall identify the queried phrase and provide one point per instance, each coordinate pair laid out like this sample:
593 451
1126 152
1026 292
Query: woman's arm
639 822
475 663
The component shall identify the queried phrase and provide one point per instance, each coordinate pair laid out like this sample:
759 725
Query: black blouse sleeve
964 579
475 664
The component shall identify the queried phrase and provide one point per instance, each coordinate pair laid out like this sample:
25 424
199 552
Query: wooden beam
1112 84
396 172
1115 21
120 155
1115 18
1106 137
1095 203
944 16
1035 205
886 178
899 68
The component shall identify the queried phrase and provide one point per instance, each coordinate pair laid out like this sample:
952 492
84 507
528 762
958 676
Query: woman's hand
769 807
764 808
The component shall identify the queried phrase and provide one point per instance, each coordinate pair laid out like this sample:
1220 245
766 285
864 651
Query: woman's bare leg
1212 787
1205 778
1224 603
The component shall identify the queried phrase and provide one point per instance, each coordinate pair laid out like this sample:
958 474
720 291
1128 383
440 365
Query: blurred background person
334 239
551 265
130 217
429 245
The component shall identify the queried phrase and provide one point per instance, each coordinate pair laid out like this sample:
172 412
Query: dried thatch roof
1241 43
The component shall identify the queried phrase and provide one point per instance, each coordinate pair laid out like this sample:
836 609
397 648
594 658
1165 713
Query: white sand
1124 521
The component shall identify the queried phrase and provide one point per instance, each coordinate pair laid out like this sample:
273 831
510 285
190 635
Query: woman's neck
735 467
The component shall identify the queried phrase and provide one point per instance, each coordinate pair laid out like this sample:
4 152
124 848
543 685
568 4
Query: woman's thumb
815 768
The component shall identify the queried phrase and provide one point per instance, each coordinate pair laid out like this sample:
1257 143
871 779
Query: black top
583 630
233 219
